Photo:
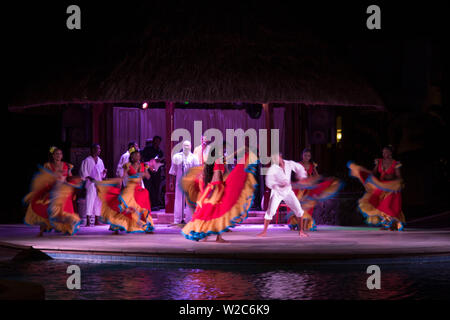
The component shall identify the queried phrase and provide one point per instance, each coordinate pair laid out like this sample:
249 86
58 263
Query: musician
153 185
181 163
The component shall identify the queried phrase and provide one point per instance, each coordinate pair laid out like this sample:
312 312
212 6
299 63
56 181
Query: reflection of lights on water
282 285
213 284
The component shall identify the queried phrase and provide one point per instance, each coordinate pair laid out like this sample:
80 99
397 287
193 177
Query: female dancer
311 190
223 201
381 205
50 201
129 209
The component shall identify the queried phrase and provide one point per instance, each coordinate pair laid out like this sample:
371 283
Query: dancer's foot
262 234
302 234
41 231
220 239
116 232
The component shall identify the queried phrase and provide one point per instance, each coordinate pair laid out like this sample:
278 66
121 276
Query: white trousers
178 207
291 201
93 203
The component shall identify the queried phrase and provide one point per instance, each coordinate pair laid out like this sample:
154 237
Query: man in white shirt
202 149
123 160
181 163
93 169
278 179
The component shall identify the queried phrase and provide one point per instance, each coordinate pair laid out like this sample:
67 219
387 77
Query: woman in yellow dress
50 201
129 209
223 201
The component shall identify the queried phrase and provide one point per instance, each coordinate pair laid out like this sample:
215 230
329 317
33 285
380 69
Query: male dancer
278 179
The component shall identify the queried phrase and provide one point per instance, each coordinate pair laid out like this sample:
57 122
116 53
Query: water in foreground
412 280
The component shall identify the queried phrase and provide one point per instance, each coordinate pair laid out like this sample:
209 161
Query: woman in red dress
225 199
381 205
50 201
311 190
129 209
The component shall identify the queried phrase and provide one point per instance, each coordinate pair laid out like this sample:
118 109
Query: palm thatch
209 56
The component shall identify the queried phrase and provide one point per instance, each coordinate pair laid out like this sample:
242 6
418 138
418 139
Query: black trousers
153 186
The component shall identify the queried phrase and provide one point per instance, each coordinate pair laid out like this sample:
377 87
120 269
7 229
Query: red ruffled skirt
128 209
222 205
381 205
311 191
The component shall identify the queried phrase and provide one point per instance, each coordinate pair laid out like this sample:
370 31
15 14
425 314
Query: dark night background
402 61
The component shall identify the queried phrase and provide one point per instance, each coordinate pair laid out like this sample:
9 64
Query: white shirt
176 168
276 176
198 151
123 159
91 169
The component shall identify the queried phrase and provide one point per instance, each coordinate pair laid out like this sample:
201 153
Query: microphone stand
182 197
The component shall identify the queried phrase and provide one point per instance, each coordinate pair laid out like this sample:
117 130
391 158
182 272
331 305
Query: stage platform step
254 217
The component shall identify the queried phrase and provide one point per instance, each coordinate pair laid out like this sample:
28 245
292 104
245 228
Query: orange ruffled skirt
127 210
313 190
381 205
222 205
50 203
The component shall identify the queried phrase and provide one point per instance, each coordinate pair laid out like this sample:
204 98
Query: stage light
339 135
145 105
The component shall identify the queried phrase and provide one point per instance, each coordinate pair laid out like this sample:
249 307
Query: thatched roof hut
206 56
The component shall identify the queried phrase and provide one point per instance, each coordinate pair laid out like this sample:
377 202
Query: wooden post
96 111
170 181
268 113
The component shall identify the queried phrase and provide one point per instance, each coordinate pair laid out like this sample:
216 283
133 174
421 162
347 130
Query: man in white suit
278 179
181 163
93 169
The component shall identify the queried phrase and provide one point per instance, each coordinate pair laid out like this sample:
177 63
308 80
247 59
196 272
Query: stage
281 245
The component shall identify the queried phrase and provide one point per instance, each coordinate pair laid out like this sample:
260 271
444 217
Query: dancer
124 159
92 170
310 191
181 163
51 179
381 205
224 200
278 179
129 209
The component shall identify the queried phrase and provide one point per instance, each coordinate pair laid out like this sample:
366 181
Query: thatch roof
208 57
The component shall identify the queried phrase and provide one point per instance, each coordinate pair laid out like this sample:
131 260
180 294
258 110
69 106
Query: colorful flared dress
222 204
61 210
381 205
309 192
50 201
126 209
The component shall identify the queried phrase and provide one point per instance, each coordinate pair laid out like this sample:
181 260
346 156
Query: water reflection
201 284
133 281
